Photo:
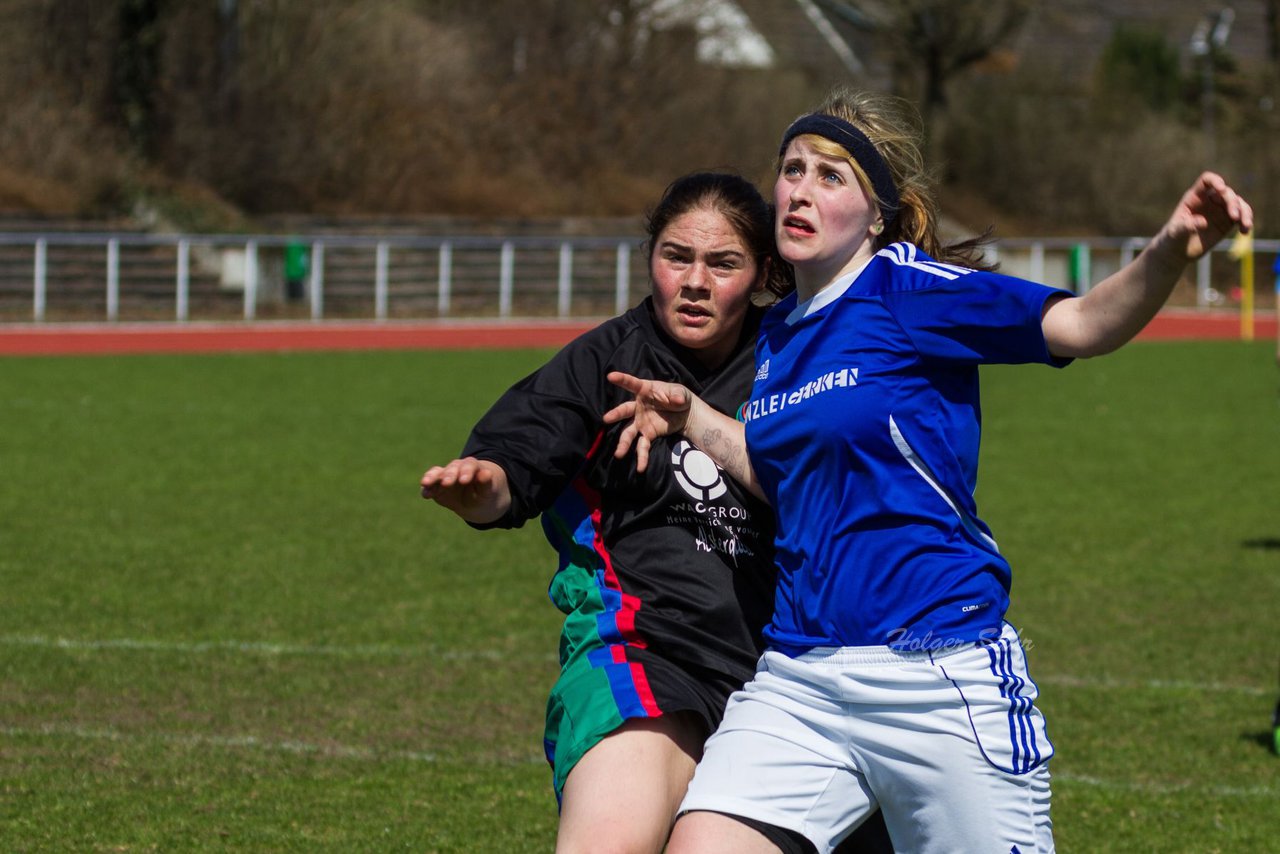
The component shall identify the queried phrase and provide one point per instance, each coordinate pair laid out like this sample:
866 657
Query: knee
614 838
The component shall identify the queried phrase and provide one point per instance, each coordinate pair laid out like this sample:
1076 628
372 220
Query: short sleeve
975 317
542 429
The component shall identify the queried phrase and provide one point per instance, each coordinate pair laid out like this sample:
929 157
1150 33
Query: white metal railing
248 250
1074 263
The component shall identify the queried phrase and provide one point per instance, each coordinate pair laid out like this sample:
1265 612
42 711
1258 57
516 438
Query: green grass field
230 623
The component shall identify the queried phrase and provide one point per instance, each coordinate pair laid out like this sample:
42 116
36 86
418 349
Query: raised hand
1116 309
1205 214
476 490
659 409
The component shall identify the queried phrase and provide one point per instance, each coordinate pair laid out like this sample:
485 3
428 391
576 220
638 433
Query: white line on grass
243 742
1168 788
253 743
263 648
390 650
1155 684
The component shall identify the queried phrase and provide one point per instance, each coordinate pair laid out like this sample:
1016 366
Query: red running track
66 339
267 336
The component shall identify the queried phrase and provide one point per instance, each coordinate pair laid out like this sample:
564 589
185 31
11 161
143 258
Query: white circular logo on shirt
696 473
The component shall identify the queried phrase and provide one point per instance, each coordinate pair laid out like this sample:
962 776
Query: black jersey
678 558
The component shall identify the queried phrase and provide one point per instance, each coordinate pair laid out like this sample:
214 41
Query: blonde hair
893 126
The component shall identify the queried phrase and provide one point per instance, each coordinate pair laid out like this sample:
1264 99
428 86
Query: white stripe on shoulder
904 255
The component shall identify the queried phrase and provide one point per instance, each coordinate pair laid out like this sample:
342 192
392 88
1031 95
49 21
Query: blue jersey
863 428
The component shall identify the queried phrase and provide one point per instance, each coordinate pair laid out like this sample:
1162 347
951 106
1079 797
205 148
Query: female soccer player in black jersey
665 577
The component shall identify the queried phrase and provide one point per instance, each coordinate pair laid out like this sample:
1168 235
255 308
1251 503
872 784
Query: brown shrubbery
539 108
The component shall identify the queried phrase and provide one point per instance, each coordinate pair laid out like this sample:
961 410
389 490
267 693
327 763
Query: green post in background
297 262
1079 270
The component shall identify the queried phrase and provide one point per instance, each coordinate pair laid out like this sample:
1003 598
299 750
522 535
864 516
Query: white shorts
948 743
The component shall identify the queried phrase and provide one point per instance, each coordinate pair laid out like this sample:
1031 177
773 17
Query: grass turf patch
230 622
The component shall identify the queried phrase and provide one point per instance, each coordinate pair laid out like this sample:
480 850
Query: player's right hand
475 489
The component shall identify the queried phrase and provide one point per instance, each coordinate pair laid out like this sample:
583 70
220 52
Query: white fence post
380 281
317 280
250 279
622 282
113 279
506 279
564 287
41 286
182 297
445 290
1037 262
1203 280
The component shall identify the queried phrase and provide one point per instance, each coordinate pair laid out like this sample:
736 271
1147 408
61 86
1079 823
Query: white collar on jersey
829 294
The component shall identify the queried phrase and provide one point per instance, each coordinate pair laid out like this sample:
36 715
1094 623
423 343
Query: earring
877 228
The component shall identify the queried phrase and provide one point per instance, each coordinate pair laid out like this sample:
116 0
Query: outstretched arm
1115 310
662 409
475 489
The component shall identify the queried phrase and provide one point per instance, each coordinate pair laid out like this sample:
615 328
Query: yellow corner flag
1242 250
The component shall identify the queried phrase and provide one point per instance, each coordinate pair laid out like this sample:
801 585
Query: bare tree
930 42
228 58
1273 31
136 72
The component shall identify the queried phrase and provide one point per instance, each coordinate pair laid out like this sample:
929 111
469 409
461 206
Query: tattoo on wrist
715 443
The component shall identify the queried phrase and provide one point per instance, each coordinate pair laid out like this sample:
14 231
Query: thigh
628 786
715 833
781 757
964 764
597 694
952 803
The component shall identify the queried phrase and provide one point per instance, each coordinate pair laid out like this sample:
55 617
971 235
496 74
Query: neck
712 358
811 279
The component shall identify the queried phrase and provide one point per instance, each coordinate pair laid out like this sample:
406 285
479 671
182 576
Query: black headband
862 150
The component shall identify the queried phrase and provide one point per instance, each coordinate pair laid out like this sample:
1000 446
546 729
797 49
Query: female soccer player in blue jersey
890 677
665 579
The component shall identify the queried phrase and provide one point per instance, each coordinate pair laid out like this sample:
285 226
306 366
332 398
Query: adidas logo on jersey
763 373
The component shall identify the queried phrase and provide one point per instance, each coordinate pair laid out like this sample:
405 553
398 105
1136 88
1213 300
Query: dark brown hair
740 203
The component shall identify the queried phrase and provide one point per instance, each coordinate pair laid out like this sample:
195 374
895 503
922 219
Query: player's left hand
1205 214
